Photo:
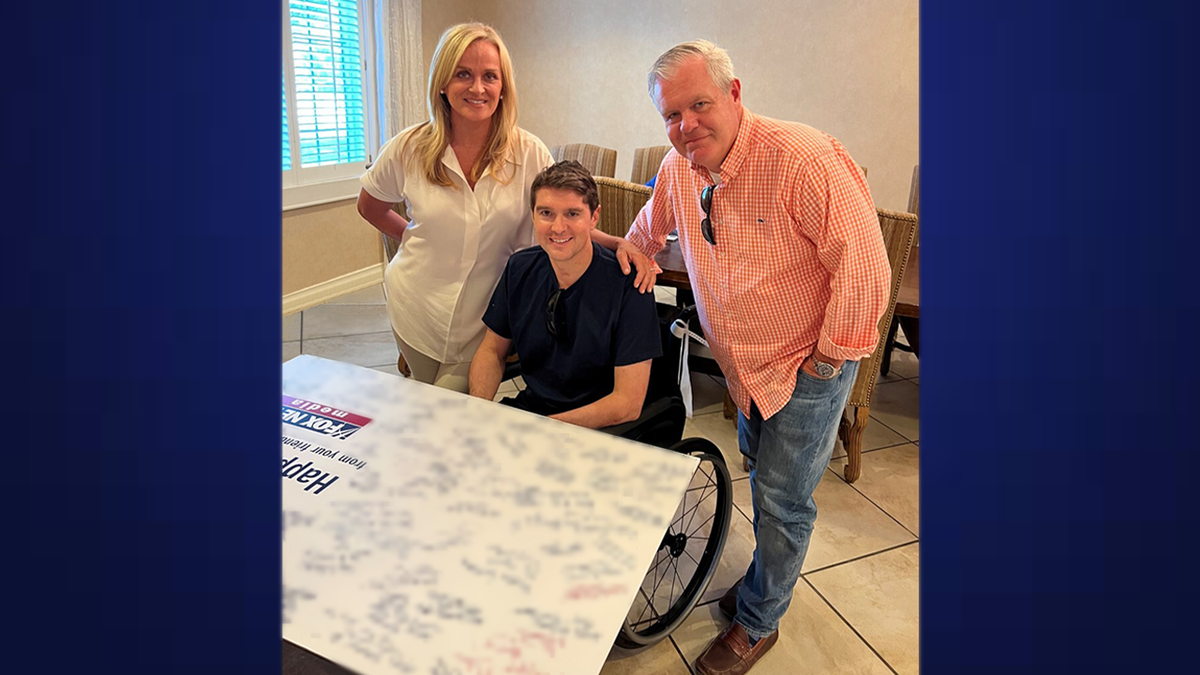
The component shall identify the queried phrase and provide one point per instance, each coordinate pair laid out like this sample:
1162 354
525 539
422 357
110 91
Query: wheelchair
691 547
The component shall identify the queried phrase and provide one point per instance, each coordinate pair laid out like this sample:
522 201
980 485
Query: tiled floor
855 609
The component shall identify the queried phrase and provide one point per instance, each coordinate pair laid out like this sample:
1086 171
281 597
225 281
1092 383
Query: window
328 136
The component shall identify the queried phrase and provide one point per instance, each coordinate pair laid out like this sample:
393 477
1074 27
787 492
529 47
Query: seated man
584 333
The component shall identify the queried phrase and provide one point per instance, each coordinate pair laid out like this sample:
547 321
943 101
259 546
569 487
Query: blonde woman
464 176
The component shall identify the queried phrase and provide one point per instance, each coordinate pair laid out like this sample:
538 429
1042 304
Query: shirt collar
451 161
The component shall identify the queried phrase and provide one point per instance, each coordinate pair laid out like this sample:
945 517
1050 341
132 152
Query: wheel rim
687 557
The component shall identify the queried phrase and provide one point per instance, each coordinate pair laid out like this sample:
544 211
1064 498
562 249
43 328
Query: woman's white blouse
456 245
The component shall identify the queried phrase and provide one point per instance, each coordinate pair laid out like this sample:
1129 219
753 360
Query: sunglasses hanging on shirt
552 326
706 226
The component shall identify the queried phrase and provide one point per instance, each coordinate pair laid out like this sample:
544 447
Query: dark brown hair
567 175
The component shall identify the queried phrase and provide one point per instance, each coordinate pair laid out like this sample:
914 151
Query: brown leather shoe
728 602
731 653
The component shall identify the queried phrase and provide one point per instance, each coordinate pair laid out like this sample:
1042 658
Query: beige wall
847 67
324 242
438 15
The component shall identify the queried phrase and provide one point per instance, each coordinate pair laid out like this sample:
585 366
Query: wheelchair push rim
688 555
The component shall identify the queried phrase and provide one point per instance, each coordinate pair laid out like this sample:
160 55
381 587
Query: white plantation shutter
327 66
335 55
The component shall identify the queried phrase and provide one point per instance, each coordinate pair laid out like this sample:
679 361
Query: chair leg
888 345
912 332
851 434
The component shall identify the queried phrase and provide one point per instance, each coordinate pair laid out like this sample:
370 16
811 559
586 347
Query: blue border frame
1057 302
142 297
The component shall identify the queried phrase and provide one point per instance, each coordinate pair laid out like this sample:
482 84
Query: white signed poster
428 532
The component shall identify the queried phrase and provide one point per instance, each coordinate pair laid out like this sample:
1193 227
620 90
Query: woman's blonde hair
430 139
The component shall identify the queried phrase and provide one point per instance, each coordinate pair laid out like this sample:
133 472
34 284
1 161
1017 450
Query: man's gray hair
716 61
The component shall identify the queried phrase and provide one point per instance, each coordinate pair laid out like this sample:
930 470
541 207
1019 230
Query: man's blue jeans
788 455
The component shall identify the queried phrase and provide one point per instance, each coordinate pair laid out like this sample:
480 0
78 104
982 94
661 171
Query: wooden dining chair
899 230
620 202
646 162
600 161
910 325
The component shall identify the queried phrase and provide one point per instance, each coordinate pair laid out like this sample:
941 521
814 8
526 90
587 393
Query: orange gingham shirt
799 260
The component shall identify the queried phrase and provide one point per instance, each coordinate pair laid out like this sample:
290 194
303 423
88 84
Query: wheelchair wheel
688 556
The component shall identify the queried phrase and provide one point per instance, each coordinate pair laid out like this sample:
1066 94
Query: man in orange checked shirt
787 261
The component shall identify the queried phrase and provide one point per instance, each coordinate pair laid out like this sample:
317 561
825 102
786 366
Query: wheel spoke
693 511
649 606
682 513
658 561
682 586
684 510
654 593
654 616
714 515
657 581
703 495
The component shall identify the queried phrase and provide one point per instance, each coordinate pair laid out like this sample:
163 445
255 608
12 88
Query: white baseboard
336 287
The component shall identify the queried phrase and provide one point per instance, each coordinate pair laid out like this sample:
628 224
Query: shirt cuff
832 350
643 243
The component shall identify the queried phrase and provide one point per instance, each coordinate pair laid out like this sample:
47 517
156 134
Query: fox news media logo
322 419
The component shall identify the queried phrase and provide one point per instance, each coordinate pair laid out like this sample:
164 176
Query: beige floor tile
743 497
875 436
848 525
661 658
291 350
664 294
291 327
507 388
371 349
723 433
879 596
892 479
898 405
812 640
707 395
372 295
904 365
334 320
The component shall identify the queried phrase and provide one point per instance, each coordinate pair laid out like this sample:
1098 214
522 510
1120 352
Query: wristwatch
824 370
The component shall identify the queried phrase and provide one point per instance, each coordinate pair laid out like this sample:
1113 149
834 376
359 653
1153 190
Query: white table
428 532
